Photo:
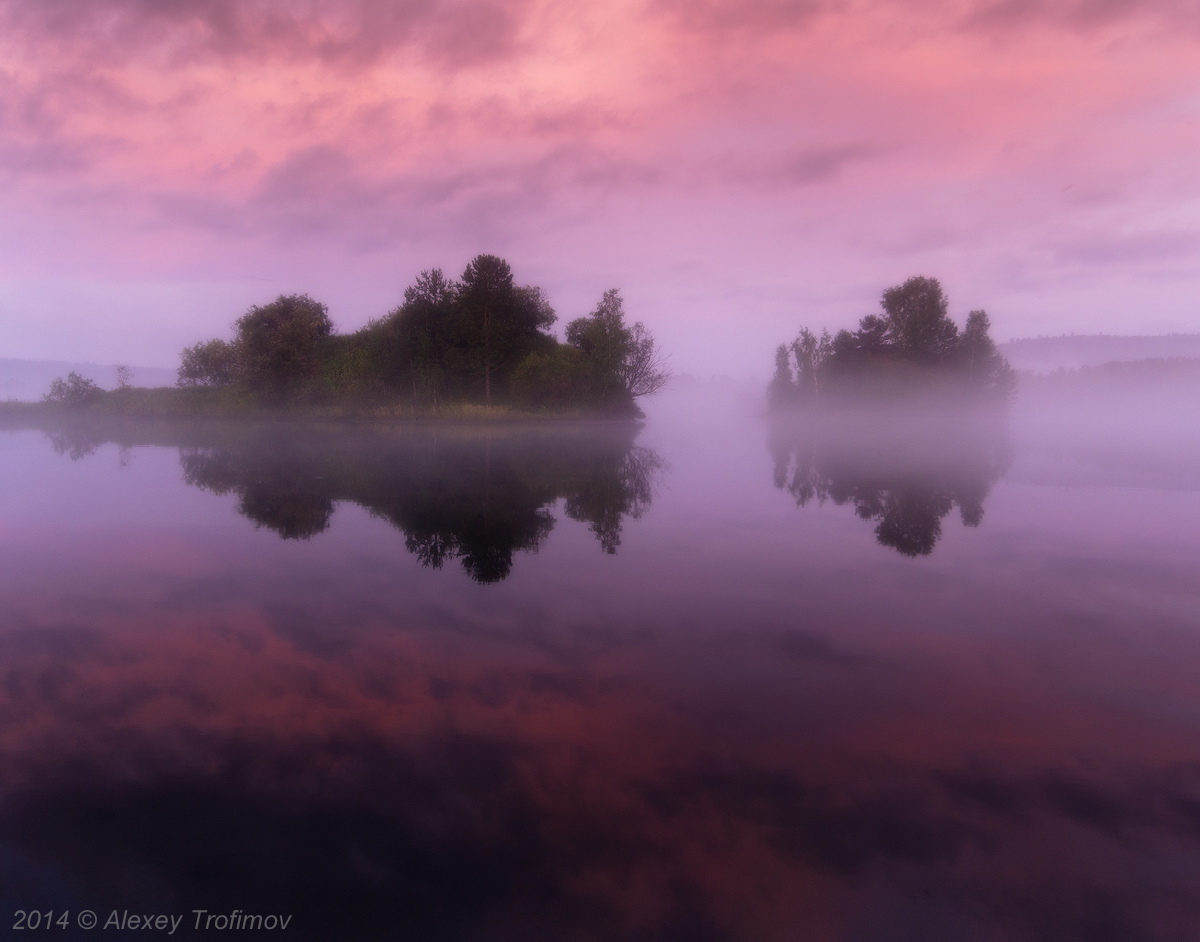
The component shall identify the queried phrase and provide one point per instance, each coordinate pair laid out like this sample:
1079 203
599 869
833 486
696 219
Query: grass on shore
232 403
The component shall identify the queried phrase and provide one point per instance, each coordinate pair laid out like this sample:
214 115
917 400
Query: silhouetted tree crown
483 339
917 323
913 346
73 392
500 324
281 343
605 363
208 363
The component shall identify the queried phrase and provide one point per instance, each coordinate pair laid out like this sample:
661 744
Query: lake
715 678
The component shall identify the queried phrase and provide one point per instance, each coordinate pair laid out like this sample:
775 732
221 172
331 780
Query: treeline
482 339
1159 375
912 348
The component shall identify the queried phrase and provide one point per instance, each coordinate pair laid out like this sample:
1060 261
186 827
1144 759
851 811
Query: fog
869 674
29 380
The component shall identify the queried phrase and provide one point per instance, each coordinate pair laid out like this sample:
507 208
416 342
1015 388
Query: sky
738 168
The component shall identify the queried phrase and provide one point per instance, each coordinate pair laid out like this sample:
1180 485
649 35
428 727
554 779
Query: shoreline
170 404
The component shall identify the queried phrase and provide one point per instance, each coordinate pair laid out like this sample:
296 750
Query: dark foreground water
710 681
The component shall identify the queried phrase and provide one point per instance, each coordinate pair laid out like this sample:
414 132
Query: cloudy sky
738 167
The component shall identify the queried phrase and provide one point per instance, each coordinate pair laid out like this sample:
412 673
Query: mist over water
878 676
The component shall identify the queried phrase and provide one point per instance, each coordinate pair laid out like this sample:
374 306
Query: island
912 352
476 348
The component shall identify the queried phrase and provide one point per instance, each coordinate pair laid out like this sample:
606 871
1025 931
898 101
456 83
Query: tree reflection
905 479
475 497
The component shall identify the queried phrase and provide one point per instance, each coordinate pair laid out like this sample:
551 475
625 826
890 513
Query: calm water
712 680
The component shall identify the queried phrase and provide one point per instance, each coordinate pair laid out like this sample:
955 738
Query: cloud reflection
403 786
740 736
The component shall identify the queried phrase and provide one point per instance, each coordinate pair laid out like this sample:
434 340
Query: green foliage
917 323
211 363
413 348
603 341
615 363
981 362
74 392
498 324
458 340
559 378
483 339
280 345
912 348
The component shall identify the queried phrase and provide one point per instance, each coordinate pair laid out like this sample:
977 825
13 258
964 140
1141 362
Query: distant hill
1045 354
29 380
1120 378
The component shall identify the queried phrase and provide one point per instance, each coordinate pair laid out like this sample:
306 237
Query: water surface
709 679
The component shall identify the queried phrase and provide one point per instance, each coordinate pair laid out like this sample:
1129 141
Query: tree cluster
73 392
913 346
481 339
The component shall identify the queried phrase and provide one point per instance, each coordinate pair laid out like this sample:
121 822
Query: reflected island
911 352
906 474
476 495
902 419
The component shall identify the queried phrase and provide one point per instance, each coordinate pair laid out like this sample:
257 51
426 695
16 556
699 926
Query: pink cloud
804 154
1079 14
346 34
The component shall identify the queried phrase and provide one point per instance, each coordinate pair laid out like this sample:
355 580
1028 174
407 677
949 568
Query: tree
558 378
499 323
624 362
478 338
984 366
811 355
782 390
414 348
913 347
280 344
603 341
432 289
209 363
124 377
872 335
918 323
73 392
644 367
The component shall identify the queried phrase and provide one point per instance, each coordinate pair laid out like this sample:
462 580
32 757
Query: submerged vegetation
912 349
480 341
